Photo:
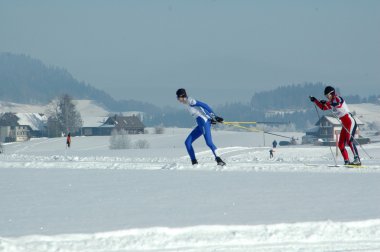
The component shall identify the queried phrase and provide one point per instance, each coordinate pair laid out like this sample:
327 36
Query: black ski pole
332 153
353 137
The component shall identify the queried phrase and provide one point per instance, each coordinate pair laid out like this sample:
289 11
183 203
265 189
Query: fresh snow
316 236
368 113
86 108
91 198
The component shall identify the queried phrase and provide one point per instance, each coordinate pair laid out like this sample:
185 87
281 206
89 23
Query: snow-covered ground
91 198
368 113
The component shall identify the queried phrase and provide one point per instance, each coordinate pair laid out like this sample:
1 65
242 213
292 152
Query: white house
18 127
327 129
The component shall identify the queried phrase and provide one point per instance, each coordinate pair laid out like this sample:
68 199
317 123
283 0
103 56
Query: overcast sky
220 51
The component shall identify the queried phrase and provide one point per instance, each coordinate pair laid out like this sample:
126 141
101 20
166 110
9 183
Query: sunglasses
329 94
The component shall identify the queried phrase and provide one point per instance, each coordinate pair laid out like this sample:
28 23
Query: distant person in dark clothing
274 144
271 153
68 140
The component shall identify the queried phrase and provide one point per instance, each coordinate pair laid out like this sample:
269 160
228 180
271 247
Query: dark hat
181 93
329 90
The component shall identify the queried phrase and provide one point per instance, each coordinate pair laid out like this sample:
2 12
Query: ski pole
319 117
353 137
239 122
235 124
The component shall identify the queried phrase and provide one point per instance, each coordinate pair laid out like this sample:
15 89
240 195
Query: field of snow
91 198
368 113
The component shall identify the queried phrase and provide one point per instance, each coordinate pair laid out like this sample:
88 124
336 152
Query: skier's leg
208 137
194 135
342 145
351 141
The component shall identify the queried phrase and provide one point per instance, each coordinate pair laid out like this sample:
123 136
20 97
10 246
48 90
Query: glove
323 102
219 119
215 119
312 98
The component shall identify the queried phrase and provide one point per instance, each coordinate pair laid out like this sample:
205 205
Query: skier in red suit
340 109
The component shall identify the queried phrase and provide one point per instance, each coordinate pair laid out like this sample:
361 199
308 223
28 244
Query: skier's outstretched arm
322 104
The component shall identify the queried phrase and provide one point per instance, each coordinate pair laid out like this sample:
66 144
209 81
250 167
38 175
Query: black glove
216 119
323 102
219 119
312 98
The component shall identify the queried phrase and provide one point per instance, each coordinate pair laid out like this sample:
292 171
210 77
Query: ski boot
346 162
356 162
194 162
219 161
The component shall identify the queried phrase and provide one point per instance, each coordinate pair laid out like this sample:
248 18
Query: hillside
295 97
369 114
86 108
27 80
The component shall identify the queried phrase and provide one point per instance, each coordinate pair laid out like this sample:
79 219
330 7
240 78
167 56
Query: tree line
27 80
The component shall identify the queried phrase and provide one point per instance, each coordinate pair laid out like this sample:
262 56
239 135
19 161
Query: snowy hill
91 198
92 113
368 113
86 108
21 108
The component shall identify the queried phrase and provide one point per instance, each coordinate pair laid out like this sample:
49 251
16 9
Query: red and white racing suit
339 109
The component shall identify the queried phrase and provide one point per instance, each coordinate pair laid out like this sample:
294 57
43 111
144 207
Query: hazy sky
220 50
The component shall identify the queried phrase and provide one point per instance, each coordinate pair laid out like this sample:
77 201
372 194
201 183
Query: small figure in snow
271 153
204 117
274 143
293 141
340 109
68 140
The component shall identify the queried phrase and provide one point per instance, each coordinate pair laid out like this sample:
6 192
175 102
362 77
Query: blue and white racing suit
202 112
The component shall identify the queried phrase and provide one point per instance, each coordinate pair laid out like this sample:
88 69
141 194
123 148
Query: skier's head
329 92
181 95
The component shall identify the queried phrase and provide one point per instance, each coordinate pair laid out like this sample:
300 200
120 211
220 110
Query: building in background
18 127
103 126
326 132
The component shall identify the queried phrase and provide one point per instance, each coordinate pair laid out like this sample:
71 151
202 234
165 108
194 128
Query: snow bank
312 236
293 159
241 150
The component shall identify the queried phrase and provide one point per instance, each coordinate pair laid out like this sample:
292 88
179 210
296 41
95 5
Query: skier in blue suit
204 116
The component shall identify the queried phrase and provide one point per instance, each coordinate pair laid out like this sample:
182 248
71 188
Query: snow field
90 198
319 236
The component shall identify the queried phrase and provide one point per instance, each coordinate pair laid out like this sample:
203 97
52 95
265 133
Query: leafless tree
119 140
63 116
141 144
159 129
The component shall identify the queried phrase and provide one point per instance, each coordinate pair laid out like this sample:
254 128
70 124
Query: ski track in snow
87 153
238 159
315 237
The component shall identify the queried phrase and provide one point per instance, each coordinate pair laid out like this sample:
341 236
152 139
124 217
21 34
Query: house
103 126
35 121
18 133
92 126
327 130
18 127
